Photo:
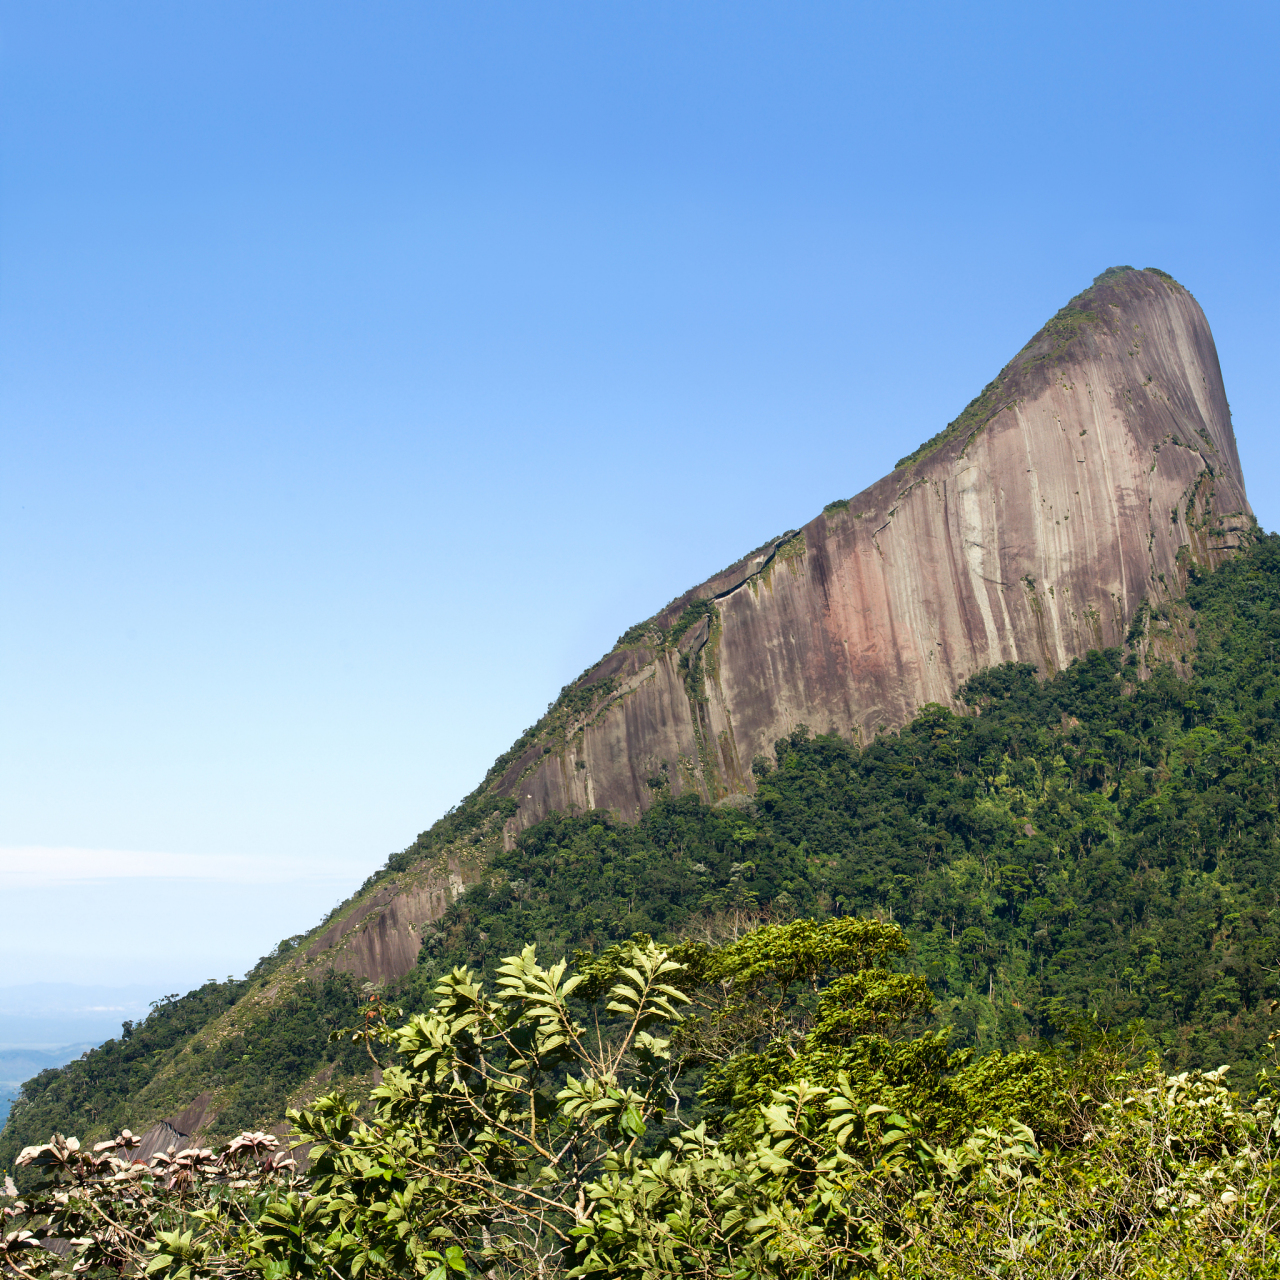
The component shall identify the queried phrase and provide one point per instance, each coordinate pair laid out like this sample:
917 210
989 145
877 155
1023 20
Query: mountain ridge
831 627
1126 375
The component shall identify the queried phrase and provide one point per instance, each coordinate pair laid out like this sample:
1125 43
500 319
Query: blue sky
366 369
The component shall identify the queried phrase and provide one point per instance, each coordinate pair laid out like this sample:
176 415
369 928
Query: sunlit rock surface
1090 474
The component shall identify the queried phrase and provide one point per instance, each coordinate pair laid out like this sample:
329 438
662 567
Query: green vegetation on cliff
1092 844
1092 847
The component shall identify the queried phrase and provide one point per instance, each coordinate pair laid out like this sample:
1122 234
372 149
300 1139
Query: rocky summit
1091 473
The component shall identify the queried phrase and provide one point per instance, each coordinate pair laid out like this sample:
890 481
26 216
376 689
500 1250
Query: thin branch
26 1275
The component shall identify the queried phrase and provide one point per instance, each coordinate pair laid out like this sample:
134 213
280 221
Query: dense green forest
1093 845
532 1127
1090 844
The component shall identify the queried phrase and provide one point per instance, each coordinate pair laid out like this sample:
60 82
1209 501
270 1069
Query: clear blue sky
369 367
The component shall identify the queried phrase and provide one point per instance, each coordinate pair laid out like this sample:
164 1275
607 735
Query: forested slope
1094 842
1098 844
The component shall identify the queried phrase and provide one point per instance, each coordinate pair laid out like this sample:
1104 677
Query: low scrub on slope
536 1126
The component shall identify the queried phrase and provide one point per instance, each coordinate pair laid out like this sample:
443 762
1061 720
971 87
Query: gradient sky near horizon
367 369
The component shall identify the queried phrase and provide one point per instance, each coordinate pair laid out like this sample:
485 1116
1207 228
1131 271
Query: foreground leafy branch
531 1130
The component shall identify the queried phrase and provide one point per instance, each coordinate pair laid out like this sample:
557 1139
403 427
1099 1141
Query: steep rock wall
378 939
1090 474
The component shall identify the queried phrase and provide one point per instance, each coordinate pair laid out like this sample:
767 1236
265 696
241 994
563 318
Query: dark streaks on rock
1053 476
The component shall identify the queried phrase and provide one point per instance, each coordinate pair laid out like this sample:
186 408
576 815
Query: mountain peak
1051 345
1089 475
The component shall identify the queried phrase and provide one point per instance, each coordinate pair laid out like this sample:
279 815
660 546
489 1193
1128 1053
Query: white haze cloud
44 867
116 917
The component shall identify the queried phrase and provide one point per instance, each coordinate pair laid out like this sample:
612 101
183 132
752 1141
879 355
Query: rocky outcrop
380 941
1089 475
176 1133
1075 493
379 938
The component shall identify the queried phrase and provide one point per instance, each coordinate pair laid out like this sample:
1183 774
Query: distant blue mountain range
17 1065
48 1024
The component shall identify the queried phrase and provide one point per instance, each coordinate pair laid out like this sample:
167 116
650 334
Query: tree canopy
532 1127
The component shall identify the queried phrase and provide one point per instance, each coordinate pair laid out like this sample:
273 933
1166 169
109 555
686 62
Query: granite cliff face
1088 477
1091 473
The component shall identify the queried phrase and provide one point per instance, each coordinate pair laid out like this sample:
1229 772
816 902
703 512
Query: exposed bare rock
380 940
160 1137
179 1130
193 1119
1095 469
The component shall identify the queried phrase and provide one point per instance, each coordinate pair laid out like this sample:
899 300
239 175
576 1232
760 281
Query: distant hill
18 1065
47 1015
